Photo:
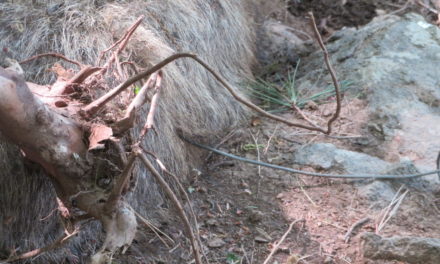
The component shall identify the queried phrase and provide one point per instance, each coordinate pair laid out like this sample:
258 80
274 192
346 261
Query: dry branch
277 245
150 117
51 54
56 244
56 142
301 113
355 226
427 6
122 44
176 203
332 74
92 108
127 122
185 194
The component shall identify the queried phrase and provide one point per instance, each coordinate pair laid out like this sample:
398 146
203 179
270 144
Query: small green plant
247 147
137 89
231 258
281 95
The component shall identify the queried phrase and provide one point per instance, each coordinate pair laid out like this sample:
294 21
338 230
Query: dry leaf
98 134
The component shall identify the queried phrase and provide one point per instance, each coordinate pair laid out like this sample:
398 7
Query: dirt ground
247 209
243 210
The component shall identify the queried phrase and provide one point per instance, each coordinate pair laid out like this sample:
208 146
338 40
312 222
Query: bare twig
128 120
305 193
122 42
332 73
92 108
391 209
355 226
153 228
183 191
248 103
193 214
56 244
269 140
141 97
405 6
258 158
51 54
80 77
132 64
176 203
277 245
301 113
83 74
226 138
153 106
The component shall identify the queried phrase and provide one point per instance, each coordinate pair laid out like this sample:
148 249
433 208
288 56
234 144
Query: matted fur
193 102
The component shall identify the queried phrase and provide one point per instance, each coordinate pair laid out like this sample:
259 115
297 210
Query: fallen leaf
98 134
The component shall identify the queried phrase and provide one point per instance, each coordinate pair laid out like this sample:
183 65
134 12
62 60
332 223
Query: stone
411 250
327 156
216 243
278 44
377 191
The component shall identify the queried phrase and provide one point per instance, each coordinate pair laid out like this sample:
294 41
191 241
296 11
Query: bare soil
249 207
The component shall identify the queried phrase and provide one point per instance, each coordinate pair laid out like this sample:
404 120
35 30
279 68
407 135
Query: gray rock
328 156
412 250
216 243
378 191
393 63
383 191
278 44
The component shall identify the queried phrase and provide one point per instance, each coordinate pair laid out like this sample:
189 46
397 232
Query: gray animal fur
193 102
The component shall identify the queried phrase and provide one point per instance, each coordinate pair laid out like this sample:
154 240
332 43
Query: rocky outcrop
393 63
